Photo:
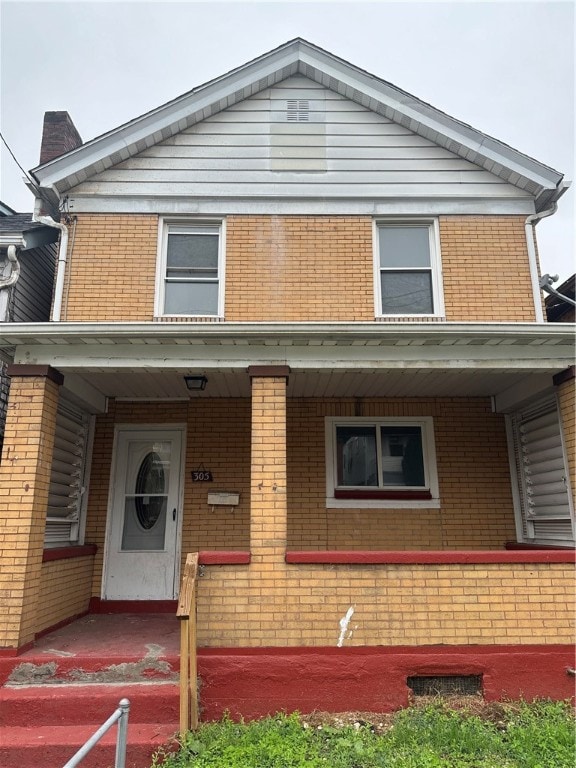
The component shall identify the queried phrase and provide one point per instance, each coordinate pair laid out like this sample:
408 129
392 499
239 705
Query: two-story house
297 327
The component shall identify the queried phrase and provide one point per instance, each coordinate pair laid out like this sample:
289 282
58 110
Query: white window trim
162 251
86 480
435 265
426 423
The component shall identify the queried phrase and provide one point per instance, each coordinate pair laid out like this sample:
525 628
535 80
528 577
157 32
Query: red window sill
430 557
381 494
514 545
221 557
68 553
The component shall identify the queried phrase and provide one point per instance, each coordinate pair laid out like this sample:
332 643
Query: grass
538 735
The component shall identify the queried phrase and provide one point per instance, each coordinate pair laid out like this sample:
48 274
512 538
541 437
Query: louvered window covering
67 476
544 496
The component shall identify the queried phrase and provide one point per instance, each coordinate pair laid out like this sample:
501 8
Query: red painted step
85 704
52 746
43 726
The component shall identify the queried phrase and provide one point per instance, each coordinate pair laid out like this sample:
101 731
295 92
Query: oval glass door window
146 500
149 484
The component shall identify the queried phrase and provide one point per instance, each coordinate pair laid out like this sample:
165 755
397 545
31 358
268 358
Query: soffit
275 334
312 383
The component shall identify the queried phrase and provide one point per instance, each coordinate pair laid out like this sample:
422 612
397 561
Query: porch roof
343 334
148 360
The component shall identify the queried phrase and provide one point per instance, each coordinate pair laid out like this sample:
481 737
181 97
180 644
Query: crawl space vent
446 685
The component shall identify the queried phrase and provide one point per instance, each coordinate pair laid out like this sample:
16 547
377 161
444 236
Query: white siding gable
297 140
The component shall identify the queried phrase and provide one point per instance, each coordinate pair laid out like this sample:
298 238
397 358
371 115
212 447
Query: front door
144 518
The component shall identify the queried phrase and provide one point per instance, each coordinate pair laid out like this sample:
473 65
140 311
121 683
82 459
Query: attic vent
446 685
298 110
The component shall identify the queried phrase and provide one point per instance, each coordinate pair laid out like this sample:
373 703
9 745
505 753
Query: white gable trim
300 57
227 206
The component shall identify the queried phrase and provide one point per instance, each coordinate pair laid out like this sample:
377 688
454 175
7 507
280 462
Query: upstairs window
408 269
191 270
381 460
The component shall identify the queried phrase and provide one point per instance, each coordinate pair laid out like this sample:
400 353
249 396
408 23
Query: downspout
6 282
62 253
529 226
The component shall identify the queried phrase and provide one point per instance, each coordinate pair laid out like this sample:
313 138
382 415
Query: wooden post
184 671
188 667
193 676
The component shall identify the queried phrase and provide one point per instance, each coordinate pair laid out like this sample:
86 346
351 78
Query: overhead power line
30 179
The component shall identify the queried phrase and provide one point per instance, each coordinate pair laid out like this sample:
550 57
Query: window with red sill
389 462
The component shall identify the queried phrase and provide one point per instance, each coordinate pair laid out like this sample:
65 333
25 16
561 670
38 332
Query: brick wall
268 503
271 603
299 268
296 268
393 605
65 591
24 479
111 268
473 473
485 268
474 479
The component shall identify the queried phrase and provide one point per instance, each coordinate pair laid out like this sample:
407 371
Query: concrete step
36 668
52 746
48 705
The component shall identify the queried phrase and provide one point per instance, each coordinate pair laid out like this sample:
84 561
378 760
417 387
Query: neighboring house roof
19 229
301 57
558 310
5 210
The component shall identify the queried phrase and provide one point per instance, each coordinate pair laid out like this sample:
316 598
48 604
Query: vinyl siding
32 295
341 150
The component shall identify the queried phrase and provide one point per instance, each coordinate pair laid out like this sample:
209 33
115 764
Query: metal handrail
121 717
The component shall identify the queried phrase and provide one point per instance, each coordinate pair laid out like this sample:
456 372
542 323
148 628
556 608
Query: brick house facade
325 255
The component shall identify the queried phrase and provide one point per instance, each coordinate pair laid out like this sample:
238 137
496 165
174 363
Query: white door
144 519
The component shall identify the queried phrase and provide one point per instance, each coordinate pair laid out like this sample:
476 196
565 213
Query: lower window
381 462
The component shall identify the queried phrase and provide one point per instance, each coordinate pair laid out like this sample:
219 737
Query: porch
411 563
328 630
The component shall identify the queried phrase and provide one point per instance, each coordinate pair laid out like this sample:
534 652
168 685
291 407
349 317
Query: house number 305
202 476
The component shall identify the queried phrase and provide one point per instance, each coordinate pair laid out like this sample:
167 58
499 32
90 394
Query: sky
506 68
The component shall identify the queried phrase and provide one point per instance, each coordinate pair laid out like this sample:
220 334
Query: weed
539 735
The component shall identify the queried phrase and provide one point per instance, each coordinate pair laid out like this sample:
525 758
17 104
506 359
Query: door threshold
98 605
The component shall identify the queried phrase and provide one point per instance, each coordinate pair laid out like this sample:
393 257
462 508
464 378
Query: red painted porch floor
131 647
56 694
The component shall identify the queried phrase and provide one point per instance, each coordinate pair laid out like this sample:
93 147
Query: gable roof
5 210
301 57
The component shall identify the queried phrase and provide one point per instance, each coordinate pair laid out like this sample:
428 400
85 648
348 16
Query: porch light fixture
196 383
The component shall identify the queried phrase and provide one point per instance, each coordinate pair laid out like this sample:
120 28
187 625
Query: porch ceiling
312 383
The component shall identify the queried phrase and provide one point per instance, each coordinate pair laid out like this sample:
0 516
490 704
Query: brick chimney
59 136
